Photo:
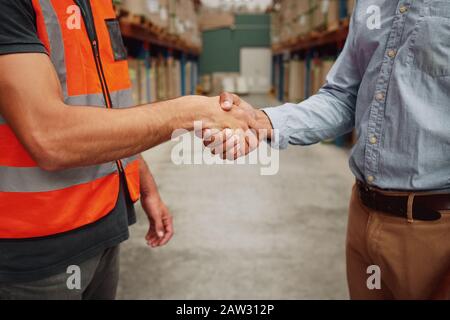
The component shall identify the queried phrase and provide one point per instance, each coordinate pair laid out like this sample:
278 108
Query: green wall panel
221 47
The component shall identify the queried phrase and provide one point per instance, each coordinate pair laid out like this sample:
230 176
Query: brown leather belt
425 207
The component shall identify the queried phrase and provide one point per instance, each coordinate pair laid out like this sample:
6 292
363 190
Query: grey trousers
95 279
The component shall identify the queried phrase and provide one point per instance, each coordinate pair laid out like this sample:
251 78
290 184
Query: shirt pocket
431 51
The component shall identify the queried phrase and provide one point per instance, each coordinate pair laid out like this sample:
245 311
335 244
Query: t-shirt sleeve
18 33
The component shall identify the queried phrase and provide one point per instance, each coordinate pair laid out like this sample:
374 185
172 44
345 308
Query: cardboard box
161 80
350 7
327 64
211 19
153 82
133 71
316 76
296 81
325 14
143 82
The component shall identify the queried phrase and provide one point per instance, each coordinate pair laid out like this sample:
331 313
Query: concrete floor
240 235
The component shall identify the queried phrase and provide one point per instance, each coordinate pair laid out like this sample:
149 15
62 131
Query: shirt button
392 53
370 179
373 140
379 97
403 9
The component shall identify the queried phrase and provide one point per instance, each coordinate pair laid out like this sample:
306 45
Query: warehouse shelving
317 44
314 49
147 35
316 39
151 47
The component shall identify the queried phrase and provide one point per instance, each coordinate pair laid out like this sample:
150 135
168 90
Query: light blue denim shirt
393 85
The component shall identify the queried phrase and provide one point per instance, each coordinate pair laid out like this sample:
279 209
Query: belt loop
411 208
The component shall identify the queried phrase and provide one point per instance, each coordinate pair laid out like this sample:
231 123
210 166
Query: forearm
329 113
58 136
83 136
324 116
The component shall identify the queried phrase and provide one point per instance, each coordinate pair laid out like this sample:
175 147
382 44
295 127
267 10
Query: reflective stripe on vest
56 43
121 99
36 203
29 179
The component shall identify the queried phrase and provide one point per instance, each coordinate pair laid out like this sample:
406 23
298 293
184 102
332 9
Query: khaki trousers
413 257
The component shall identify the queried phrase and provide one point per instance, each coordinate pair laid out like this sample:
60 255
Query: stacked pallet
299 18
319 71
325 15
184 22
211 18
297 78
301 81
170 20
154 11
160 79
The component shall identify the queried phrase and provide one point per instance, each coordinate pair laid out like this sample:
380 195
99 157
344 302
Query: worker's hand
161 223
232 144
213 116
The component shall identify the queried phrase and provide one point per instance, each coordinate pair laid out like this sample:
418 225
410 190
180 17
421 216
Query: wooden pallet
121 12
315 38
150 31
155 28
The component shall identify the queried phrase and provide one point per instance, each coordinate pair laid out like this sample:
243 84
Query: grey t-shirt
34 259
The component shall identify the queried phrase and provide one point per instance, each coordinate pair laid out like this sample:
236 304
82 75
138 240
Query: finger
212 141
159 227
240 150
199 133
219 140
152 238
168 224
251 141
230 147
152 242
216 144
209 135
227 100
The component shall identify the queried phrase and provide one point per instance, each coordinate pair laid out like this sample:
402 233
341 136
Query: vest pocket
118 48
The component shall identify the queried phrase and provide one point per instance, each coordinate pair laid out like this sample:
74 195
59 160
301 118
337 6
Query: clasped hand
231 139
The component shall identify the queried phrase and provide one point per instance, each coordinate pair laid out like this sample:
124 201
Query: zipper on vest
88 18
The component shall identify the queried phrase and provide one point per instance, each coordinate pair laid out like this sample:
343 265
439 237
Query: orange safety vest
83 40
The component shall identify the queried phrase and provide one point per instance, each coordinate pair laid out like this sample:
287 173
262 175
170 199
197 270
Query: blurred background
240 235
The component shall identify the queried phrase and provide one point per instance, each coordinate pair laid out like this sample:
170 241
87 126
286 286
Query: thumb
227 100
159 227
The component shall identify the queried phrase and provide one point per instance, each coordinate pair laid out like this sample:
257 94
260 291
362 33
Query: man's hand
214 116
161 223
58 136
232 144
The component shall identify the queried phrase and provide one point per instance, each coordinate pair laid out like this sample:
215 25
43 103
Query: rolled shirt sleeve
329 113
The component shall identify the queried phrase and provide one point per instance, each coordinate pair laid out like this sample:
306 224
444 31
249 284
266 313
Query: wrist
149 191
190 110
264 124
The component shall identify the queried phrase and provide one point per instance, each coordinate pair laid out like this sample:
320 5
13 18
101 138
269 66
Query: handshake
232 128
